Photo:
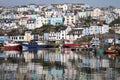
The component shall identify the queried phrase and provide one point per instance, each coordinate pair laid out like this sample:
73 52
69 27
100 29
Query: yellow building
28 36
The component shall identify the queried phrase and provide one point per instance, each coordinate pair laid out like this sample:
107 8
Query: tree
14 32
1 32
116 21
88 21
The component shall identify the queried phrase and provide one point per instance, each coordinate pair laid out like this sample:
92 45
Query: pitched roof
75 32
63 27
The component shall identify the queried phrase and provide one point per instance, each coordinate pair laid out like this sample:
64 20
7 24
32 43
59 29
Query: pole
115 34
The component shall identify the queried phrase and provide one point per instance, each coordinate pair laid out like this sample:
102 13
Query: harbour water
58 64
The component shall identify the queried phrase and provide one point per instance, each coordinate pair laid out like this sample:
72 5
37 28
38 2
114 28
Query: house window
67 21
76 32
56 23
22 37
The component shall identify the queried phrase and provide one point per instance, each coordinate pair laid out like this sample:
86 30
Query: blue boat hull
30 46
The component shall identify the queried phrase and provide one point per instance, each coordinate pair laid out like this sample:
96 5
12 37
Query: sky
94 3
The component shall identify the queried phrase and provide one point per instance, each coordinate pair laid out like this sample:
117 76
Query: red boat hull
70 45
18 47
111 52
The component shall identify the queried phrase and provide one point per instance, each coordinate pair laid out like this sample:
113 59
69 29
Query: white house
31 24
91 30
75 33
23 21
77 6
64 31
17 38
69 18
105 29
22 8
97 12
9 24
48 13
38 22
52 36
118 11
117 30
44 19
64 7
95 29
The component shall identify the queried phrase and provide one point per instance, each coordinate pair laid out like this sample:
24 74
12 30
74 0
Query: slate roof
75 32
63 27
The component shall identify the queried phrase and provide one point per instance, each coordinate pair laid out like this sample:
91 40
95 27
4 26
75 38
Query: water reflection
56 64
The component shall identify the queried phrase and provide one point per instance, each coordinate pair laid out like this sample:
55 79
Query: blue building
3 38
46 36
58 36
87 31
55 20
96 30
55 72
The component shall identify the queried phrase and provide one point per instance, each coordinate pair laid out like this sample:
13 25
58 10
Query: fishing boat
112 50
34 44
83 45
68 43
95 42
11 45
